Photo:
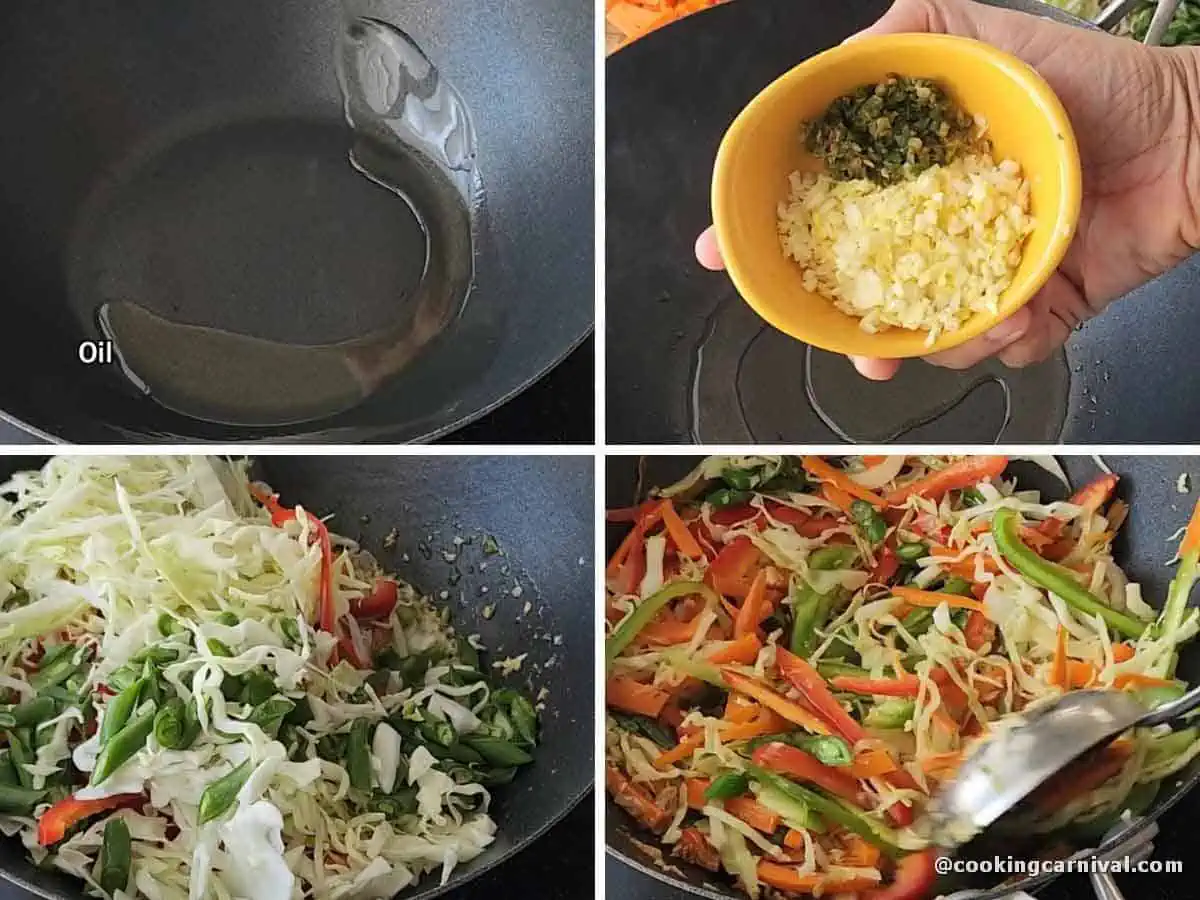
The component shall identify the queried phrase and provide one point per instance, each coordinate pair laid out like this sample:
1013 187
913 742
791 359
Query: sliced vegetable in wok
208 693
783 703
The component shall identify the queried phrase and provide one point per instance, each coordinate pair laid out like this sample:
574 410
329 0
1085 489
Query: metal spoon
1007 767
1112 14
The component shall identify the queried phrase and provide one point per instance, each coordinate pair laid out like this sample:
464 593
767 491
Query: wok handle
1173 710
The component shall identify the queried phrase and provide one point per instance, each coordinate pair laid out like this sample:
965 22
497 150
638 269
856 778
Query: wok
429 501
297 219
1146 542
697 365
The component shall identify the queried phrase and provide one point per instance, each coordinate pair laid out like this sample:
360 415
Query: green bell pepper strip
873 526
119 710
811 609
116 856
497 752
221 794
911 551
21 755
830 809
1055 578
891 713
122 746
358 755
31 712
708 673
831 668
827 559
19 801
1171 617
632 624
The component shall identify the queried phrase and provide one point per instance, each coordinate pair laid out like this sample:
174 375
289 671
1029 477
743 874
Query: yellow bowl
1026 122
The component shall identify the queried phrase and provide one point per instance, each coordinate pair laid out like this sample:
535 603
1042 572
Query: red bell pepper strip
733 571
1090 497
281 515
379 603
904 686
795 763
65 814
886 566
979 630
965 473
913 879
812 687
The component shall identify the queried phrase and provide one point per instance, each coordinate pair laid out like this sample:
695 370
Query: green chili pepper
497 776
170 725
358 755
831 809
168 624
646 727
437 730
123 745
497 752
31 712
724 497
895 712
116 856
16 800
829 750
466 653
221 794
8 774
21 755
918 621
524 716
62 666
874 527
257 688
290 629
1053 577
458 752
723 787
217 648
839 556
401 802
270 714
911 551
119 710
742 479
159 656
971 497
956 585
124 677
629 628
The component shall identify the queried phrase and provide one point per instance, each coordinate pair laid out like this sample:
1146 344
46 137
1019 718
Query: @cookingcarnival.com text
1011 865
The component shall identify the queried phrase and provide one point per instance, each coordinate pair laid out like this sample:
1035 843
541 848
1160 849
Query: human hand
1135 111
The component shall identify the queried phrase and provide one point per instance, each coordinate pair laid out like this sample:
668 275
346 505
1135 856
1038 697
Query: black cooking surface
689 361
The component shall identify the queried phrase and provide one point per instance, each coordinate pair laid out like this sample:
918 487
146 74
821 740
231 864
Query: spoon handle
1173 710
1106 887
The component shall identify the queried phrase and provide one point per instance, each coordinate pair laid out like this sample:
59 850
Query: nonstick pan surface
191 160
689 361
1148 483
429 502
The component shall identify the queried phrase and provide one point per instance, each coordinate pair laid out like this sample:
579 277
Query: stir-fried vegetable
782 703
207 693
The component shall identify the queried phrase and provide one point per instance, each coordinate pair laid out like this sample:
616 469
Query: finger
1054 311
707 252
987 344
875 369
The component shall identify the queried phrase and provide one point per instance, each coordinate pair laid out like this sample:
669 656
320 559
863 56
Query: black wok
689 362
1148 483
429 501
179 176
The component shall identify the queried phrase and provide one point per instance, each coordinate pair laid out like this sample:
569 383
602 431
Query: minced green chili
889 131
1055 578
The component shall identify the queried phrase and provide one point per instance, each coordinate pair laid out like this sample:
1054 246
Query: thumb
908 16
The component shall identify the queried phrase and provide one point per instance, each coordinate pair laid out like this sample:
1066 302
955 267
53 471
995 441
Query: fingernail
1008 330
